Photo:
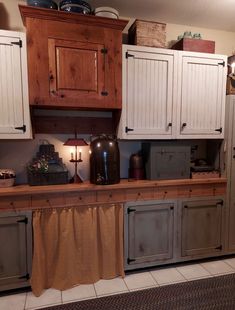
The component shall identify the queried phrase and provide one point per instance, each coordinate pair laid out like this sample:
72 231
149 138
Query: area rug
212 293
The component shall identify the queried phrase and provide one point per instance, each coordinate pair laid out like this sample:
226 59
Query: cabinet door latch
219 129
25 221
127 129
104 50
23 128
19 43
219 248
104 93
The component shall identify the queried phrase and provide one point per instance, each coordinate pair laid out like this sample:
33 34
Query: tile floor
132 282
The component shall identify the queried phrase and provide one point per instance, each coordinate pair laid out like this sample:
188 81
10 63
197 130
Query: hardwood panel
111 196
139 194
165 192
80 198
48 201
65 125
15 202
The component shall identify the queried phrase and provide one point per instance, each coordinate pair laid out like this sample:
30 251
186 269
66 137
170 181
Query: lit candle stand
76 157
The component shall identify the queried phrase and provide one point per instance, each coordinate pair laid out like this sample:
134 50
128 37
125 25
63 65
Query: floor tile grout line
229 265
126 284
154 278
181 274
25 301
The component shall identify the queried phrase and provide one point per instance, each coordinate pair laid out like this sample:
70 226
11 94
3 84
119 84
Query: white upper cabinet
14 104
170 94
201 95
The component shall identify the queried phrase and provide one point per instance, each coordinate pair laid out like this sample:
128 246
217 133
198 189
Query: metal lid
106 9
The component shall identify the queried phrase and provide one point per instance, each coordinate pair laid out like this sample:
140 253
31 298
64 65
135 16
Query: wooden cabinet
149 233
14 106
74 60
16 249
201 227
171 94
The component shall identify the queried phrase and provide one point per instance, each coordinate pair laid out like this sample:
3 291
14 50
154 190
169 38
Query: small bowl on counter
7 177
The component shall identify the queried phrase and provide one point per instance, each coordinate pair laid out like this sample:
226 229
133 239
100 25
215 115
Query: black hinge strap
129 210
19 43
104 93
221 63
219 129
130 260
221 203
218 247
23 128
25 221
127 129
25 277
129 55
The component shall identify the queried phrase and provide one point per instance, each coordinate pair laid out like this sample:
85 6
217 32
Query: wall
17 154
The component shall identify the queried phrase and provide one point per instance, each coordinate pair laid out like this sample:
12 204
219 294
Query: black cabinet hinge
130 260
127 129
23 128
104 50
221 63
25 221
219 248
129 210
219 129
104 93
25 277
19 43
129 55
221 203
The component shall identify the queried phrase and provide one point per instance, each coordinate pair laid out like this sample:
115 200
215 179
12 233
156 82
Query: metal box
166 160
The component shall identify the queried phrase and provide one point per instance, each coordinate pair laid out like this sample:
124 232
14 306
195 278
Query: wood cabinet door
14 105
14 244
150 231
147 93
201 97
76 69
201 227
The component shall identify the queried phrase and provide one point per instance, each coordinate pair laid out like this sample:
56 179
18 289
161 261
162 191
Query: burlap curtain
78 245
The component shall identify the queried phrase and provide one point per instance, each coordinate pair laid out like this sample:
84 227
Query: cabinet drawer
80 198
219 189
195 191
166 192
111 196
139 194
47 201
9 203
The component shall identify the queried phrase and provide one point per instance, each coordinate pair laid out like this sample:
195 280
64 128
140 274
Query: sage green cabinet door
201 227
14 258
150 232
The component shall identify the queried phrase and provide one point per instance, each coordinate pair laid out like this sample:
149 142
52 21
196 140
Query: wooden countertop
87 186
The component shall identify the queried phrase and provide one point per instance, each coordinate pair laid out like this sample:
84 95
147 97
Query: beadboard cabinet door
148 76
14 105
201 95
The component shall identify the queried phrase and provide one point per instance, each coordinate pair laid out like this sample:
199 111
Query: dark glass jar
104 160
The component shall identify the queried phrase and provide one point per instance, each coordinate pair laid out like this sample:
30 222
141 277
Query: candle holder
77 158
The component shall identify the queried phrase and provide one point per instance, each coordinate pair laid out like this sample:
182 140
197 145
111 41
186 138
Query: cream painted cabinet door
14 106
201 95
148 75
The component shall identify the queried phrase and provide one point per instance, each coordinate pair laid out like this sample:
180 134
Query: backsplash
16 154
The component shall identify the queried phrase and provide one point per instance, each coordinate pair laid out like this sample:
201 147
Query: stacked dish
106 11
77 6
48 4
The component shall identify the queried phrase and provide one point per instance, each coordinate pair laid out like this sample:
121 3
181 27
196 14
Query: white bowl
7 182
106 11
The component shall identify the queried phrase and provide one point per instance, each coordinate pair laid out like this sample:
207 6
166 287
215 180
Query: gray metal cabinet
149 232
15 249
201 227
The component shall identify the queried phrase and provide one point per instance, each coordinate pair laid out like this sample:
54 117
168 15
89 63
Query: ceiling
213 14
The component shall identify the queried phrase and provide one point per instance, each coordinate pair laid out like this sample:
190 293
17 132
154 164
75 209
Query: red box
195 45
